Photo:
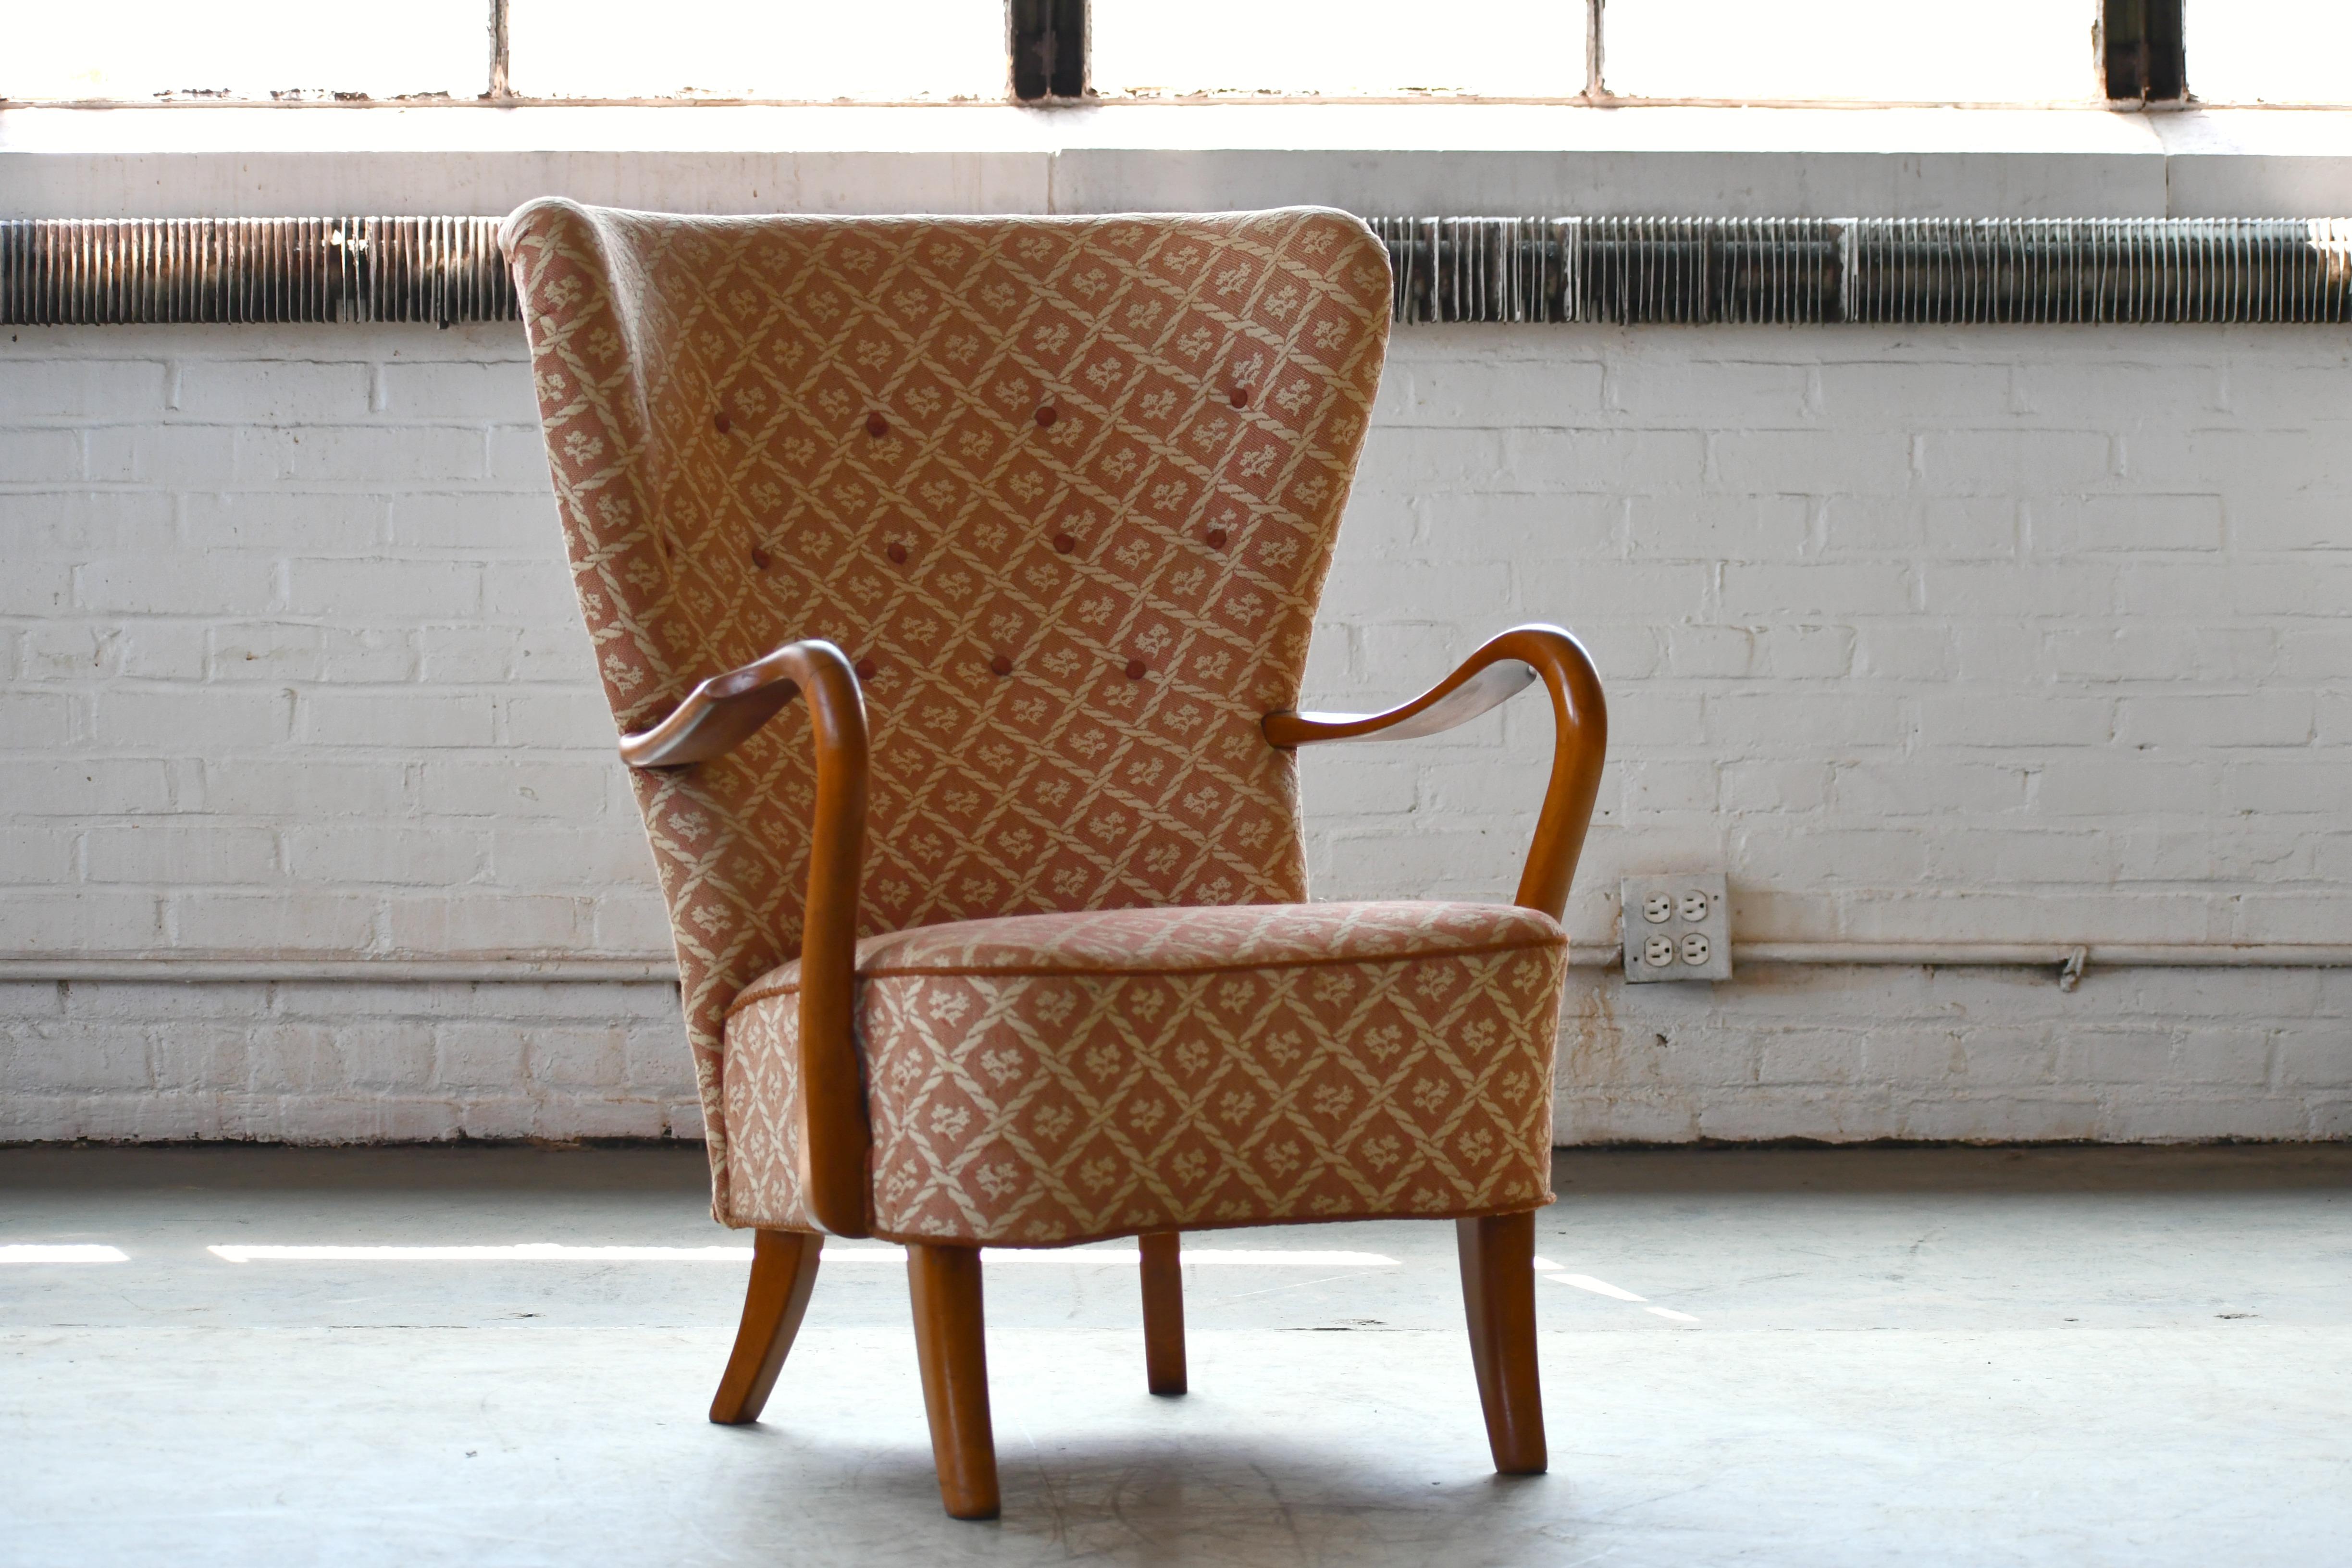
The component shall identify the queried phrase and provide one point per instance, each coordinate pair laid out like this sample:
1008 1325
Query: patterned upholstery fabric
1064 489
1054 1078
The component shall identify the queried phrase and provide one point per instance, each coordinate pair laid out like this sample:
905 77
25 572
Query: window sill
1431 159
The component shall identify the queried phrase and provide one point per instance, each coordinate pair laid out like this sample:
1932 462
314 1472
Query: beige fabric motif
1049 1079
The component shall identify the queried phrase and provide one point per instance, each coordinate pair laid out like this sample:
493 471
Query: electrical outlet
1676 928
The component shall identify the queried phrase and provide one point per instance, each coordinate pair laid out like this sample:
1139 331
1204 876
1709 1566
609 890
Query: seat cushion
1045 1078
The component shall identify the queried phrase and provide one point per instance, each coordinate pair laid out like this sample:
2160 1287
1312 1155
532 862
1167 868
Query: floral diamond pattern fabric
1047 1078
1065 489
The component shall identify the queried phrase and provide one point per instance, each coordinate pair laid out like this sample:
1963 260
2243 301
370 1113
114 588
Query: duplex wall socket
1676 928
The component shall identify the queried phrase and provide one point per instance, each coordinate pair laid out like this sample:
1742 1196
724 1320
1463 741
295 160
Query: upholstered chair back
1064 489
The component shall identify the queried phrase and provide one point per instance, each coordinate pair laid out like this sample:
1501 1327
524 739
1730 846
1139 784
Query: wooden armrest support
717 716
1504 666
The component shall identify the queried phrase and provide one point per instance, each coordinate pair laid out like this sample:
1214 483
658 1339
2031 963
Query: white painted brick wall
1989 635
323 1062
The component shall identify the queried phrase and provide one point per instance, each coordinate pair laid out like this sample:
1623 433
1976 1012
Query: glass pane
244 48
1989 51
802 49
2269 51
1341 48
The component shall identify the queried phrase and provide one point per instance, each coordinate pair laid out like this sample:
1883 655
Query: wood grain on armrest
721 713
1504 666
1455 701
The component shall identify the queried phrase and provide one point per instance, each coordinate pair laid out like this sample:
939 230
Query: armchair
1013 949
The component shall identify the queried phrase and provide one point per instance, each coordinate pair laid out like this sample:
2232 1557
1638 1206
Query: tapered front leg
1498 1288
953 1351
783 1272
1163 1313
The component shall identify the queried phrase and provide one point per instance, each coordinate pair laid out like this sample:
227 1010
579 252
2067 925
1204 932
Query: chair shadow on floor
1205 1497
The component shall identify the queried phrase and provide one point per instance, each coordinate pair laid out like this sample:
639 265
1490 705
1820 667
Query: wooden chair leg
953 1352
1498 1287
1163 1313
783 1272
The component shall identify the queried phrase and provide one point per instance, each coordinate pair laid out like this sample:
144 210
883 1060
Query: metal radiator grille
74 272
1634 271
1982 271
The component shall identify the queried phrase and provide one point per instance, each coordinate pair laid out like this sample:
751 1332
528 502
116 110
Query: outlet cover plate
1684 920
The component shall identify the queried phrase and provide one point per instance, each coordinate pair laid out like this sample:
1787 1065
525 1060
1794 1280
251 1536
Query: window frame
2139 49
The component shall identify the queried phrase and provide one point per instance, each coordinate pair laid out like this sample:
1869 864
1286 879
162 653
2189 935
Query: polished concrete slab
1803 1356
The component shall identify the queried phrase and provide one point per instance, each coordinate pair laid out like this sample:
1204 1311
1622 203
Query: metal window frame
501 85
1047 55
2141 55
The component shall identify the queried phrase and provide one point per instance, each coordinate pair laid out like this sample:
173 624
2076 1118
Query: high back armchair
951 581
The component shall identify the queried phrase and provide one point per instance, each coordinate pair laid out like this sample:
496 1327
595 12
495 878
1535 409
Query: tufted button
1064 543
761 559
722 424
864 668
1001 664
1135 669
1046 415
1241 396
897 552
877 427
1216 538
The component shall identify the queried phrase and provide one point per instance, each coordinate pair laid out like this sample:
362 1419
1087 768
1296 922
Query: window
1337 48
2009 52
252 49
2269 51
811 50
978 51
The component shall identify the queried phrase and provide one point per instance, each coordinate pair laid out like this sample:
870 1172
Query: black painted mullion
1047 40
2140 51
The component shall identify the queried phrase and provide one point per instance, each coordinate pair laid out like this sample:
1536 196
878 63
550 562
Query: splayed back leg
783 1272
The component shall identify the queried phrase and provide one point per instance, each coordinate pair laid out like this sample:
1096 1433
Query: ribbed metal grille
73 272
1635 271
1982 271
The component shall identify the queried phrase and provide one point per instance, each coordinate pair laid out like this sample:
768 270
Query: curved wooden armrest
724 711
717 716
1504 666
1452 702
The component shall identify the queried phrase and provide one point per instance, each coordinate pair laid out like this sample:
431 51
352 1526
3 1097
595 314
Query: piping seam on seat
757 995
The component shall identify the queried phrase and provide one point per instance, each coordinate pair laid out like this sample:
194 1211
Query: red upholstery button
1001 664
864 668
1216 538
1241 397
1135 669
761 559
1064 543
1046 416
897 552
722 422
877 427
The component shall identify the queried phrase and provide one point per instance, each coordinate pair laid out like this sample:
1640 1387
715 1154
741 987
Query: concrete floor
2067 1356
